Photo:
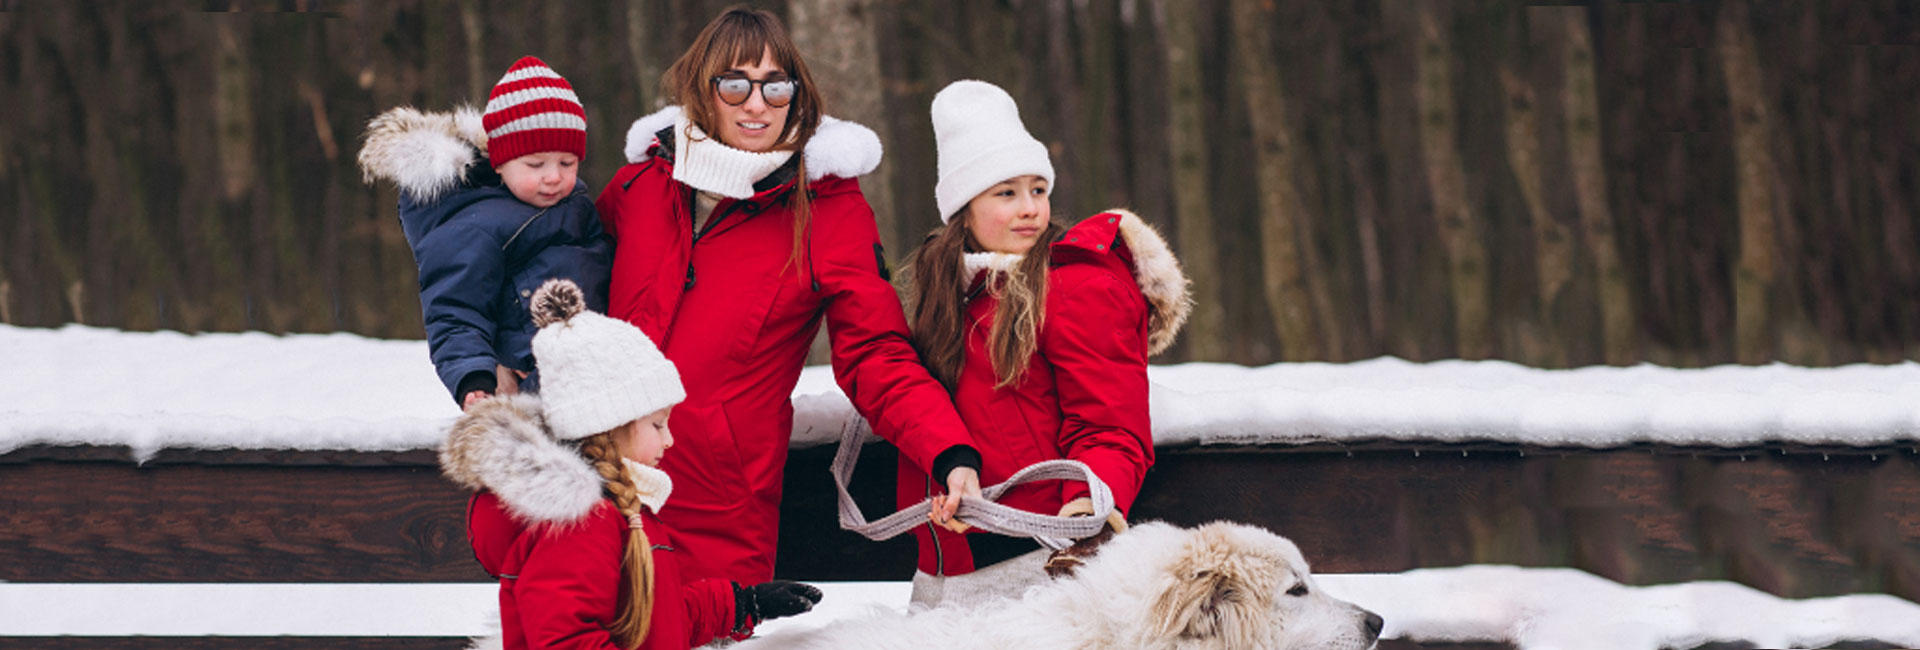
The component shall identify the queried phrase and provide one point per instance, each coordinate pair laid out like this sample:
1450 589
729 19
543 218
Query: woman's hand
962 481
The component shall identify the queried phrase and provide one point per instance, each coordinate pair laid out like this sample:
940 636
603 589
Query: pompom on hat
596 373
533 110
981 141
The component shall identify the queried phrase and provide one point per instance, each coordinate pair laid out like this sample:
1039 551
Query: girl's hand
961 482
472 397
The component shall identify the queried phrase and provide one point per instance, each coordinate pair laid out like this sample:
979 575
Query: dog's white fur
1153 587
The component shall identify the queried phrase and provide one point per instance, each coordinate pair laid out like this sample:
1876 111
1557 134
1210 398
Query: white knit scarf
653 485
706 164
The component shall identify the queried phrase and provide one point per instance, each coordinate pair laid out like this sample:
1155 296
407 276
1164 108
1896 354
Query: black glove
770 600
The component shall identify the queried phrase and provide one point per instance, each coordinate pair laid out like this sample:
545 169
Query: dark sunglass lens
778 93
734 91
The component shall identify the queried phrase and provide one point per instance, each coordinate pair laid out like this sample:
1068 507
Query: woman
738 224
1041 333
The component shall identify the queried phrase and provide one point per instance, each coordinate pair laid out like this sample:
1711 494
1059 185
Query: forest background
1611 182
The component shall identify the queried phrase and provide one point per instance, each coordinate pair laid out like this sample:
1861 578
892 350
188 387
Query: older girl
738 227
1041 333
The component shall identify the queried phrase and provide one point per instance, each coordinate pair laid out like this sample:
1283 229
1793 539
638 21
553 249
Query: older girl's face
1009 217
645 440
754 125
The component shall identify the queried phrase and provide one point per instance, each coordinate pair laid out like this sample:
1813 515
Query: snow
1534 609
80 385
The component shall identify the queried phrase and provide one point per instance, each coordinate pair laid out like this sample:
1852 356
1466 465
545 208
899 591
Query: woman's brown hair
635 606
937 284
740 36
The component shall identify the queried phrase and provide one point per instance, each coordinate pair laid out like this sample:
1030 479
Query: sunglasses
735 90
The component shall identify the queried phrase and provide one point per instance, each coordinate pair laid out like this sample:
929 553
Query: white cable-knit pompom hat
596 373
981 141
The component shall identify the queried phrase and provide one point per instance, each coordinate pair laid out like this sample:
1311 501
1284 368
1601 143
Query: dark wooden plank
116 522
1794 524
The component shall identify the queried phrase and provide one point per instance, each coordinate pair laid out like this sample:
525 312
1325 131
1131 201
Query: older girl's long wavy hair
936 287
739 36
635 606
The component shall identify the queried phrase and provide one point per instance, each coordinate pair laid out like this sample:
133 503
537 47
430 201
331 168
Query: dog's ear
1219 589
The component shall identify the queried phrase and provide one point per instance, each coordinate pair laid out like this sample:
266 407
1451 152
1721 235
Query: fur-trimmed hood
1161 279
503 444
838 148
424 154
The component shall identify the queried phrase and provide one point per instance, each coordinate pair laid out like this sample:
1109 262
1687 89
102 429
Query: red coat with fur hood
736 314
542 526
1115 294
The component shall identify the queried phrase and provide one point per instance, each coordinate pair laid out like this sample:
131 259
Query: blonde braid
635 616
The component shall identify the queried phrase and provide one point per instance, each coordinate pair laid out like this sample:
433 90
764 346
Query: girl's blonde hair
635 606
936 295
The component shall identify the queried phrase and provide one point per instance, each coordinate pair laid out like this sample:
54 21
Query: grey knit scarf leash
1051 531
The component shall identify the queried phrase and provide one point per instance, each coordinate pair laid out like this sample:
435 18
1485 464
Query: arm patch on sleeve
880 260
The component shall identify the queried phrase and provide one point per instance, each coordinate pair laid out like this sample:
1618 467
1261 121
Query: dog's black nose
1374 625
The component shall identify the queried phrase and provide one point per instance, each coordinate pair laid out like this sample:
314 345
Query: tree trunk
1582 103
1754 170
1460 229
646 66
1552 241
1193 206
473 25
1281 208
838 37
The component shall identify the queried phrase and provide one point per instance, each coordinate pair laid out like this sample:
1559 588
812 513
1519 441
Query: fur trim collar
974 263
1156 269
504 445
838 148
424 154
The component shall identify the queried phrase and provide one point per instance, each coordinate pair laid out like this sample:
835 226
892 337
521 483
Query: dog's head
1225 585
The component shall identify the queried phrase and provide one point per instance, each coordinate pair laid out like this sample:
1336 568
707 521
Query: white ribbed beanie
981 141
596 373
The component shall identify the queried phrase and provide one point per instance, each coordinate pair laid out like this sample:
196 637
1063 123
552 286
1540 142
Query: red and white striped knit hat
533 110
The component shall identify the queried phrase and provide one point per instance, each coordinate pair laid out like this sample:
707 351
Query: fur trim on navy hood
503 445
424 154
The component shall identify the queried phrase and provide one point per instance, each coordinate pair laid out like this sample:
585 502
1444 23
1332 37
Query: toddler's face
541 179
647 439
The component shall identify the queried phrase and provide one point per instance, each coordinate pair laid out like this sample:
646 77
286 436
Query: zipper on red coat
700 232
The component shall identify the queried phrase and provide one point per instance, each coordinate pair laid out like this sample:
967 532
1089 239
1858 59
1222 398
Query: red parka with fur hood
1115 294
542 526
736 312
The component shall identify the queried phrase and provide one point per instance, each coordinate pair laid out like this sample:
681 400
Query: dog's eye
1298 590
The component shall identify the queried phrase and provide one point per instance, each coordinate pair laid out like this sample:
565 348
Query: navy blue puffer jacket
481 252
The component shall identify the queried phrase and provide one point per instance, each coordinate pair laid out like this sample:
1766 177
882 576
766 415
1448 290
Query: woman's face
1009 217
753 125
645 440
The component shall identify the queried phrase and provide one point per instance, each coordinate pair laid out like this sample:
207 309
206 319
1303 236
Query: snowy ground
152 391
1535 609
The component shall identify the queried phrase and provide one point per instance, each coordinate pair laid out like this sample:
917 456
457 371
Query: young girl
567 511
739 229
1040 333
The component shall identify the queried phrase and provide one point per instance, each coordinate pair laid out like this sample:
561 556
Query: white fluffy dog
1155 586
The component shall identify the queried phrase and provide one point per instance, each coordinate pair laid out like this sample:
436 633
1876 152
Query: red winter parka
736 314
1115 294
543 528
